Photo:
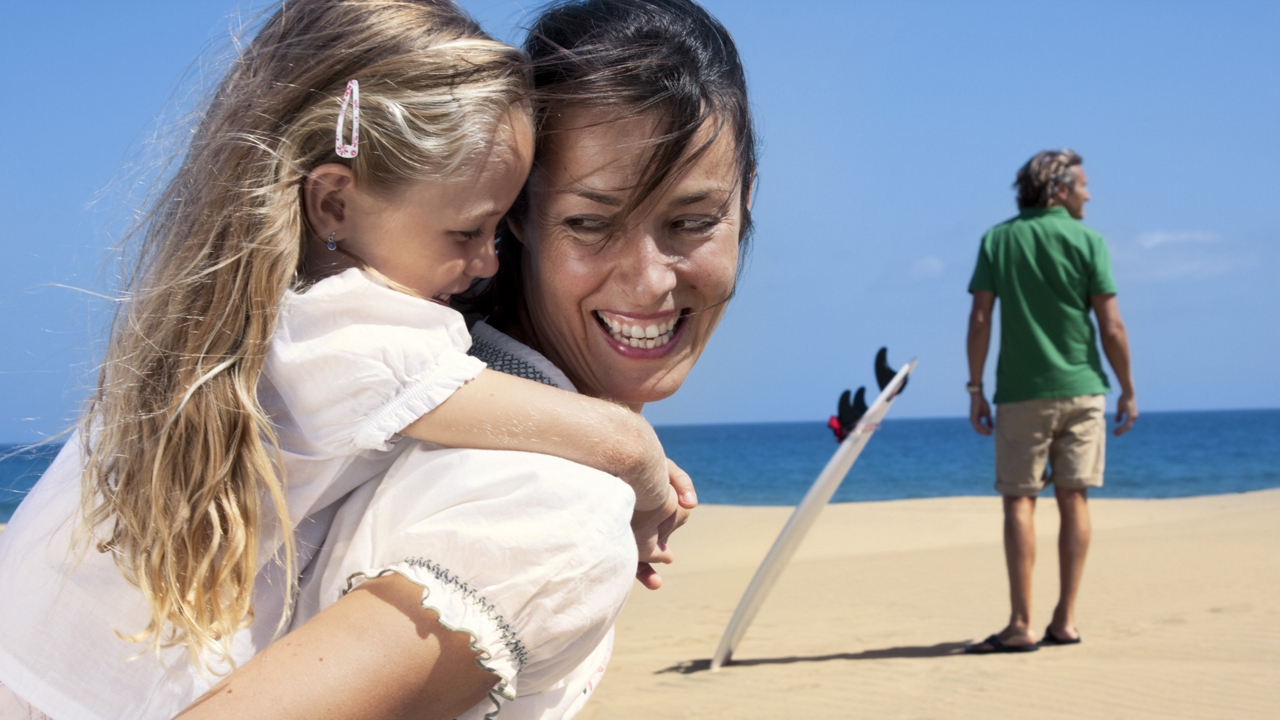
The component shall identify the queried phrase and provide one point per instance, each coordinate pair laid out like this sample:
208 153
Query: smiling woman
619 259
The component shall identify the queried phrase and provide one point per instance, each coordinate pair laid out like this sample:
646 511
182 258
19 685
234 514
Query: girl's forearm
496 411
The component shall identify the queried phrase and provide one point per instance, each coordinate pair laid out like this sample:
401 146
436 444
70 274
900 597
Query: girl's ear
323 198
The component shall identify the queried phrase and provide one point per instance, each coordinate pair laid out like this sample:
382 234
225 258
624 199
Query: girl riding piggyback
286 324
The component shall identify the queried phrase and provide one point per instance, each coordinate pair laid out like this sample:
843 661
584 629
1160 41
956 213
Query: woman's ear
751 189
323 197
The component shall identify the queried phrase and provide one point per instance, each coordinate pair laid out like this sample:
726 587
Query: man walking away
1048 270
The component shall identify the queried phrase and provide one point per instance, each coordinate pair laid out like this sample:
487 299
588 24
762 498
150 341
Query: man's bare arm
1115 343
979 343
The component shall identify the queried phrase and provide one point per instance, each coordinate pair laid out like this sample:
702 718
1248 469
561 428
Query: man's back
1044 266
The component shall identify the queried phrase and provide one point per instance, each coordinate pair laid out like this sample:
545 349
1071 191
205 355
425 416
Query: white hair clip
351 97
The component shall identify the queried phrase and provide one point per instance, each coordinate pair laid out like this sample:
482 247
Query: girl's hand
683 485
653 528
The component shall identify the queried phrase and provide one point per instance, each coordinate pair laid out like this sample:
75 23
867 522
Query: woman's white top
352 363
532 555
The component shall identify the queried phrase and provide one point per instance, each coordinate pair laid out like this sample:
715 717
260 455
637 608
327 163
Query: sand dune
1180 614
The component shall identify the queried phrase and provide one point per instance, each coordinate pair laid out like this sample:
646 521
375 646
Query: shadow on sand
946 649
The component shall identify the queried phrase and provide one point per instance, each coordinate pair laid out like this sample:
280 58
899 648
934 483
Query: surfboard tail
806 513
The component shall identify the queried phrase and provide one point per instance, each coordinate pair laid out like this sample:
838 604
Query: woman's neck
524 331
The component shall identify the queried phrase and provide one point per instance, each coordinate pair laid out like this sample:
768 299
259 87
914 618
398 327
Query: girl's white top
532 555
352 363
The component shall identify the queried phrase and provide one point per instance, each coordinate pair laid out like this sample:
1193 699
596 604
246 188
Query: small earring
330 243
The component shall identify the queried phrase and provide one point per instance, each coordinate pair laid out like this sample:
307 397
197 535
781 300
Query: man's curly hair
1038 180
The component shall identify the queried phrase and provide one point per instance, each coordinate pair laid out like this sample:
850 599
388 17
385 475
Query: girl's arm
329 669
496 411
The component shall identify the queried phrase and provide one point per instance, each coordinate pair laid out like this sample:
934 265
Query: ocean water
1167 454
20 468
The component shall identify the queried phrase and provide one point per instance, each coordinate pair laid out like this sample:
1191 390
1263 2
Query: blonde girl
283 328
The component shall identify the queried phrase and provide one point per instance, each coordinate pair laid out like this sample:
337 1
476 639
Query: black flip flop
996 645
1051 639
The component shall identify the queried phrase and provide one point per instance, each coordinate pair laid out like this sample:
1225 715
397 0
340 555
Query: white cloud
1189 269
1160 255
1157 238
928 267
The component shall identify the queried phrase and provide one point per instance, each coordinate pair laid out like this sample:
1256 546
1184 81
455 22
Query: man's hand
1115 343
979 340
980 414
1126 413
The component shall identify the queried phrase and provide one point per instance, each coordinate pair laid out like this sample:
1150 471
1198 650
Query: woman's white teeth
641 336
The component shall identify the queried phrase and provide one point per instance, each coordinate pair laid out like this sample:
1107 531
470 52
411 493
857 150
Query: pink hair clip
352 96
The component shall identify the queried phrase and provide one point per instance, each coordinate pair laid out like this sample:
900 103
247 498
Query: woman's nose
647 272
484 261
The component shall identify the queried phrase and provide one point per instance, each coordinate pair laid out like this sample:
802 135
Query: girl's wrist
650 479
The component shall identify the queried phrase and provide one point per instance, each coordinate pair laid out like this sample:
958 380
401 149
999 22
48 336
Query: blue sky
891 132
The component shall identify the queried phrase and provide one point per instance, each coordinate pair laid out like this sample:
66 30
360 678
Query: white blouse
352 363
532 555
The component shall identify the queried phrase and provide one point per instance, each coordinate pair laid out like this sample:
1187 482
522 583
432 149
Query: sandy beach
1180 617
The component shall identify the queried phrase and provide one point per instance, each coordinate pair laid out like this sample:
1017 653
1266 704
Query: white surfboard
804 516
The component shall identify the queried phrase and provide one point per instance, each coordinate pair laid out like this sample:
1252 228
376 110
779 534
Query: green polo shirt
1044 266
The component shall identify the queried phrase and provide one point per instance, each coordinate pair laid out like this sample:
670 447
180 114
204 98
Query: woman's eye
695 226
468 235
587 225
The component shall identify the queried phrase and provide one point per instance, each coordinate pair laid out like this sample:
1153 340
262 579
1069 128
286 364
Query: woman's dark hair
1038 180
666 58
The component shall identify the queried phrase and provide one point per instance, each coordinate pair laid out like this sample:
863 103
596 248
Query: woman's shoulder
505 354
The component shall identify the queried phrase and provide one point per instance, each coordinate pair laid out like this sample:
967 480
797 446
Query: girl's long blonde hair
181 481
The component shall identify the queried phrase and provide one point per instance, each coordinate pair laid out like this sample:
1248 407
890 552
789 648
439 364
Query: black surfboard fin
848 413
884 373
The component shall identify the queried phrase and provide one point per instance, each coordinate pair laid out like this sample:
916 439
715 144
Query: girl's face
627 315
434 238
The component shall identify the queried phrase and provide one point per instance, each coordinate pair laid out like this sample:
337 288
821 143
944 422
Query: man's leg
1023 435
1020 557
1073 546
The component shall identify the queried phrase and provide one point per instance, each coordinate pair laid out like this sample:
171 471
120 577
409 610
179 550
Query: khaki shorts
1068 434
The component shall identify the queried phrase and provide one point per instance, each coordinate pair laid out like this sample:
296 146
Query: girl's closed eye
468 235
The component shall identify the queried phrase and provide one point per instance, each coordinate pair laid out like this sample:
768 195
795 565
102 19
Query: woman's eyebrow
691 198
694 198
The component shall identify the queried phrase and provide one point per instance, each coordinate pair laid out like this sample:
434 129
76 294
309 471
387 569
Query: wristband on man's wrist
974 388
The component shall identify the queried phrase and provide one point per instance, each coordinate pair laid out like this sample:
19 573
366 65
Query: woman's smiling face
625 306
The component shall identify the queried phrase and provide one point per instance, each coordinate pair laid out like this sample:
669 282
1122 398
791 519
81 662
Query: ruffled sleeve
355 362
529 554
